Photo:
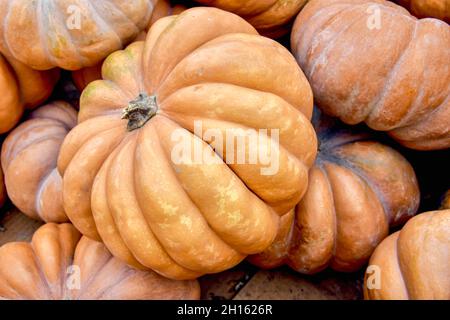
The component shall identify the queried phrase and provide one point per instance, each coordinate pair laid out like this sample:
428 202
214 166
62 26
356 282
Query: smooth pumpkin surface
413 262
21 88
272 18
394 76
428 8
59 264
162 8
358 188
29 156
122 183
67 34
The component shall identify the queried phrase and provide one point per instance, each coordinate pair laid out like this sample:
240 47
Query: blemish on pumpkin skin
169 210
234 217
186 221
227 193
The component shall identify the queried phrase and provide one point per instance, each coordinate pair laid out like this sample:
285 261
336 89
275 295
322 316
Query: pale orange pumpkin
162 8
67 34
371 61
357 189
28 158
122 182
21 88
272 18
439 9
412 263
59 264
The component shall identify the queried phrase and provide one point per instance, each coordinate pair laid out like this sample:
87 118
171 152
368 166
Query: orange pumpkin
21 88
125 181
162 8
272 18
357 189
412 263
59 265
428 8
29 156
67 34
371 61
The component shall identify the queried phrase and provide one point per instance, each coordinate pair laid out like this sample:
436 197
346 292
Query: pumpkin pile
46 269
203 139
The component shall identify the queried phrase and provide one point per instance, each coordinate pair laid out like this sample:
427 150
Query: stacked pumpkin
147 215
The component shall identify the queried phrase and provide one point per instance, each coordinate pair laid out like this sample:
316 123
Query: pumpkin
371 61
2 189
59 264
358 188
22 88
29 156
162 8
272 18
127 177
67 34
428 8
412 263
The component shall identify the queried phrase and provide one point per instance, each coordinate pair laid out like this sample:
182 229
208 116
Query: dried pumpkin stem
139 111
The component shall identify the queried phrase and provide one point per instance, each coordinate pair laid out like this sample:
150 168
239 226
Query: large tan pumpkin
21 88
272 18
29 156
123 179
357 189
67 33
59 264
162 8
428 8
371 61
412 263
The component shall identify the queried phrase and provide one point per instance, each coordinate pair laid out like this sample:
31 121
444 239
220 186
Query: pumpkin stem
139 111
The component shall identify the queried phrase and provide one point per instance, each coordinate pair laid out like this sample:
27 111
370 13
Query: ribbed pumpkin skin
29 157
186 219
413 262
21 88
162 8
357 189
394 78
68 34
439 9
40 271
272 18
